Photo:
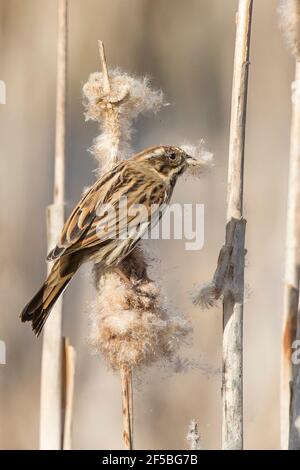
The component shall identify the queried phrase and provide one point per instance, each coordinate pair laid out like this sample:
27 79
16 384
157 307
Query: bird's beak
191 161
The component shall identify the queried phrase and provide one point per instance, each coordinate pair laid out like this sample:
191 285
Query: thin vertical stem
294 434
52 355
232 387
126 384
289 408
61 99
104 67
69 375
238 111
193 436
131 404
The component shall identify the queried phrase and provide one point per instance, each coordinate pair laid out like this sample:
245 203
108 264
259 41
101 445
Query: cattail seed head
116 111
133 326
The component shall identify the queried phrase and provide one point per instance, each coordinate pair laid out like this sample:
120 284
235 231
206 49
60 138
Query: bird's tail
40 306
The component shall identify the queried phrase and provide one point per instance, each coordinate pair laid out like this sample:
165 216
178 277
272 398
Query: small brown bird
91 233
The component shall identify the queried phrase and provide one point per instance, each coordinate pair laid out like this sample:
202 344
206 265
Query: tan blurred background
187 48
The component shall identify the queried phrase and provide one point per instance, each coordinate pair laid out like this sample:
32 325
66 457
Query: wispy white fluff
205 296
129 97
134 326
204 158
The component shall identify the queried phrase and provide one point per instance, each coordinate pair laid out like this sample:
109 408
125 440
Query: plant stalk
290 377
232 380
52 355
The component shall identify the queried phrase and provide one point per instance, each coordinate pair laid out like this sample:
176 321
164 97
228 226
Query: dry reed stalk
290 375
294 431
228 280
112 117
126 383
69 375
52 355
292 273
232 388
193 436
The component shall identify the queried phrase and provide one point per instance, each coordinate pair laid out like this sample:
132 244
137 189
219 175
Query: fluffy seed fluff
205 296
289 22
132 326
115 111
203 157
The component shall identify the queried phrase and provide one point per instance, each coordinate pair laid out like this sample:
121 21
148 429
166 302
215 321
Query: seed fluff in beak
198 159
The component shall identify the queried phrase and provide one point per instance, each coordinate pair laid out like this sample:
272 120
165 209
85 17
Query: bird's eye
172 156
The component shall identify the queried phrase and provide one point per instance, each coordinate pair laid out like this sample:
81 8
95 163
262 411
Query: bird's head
168 161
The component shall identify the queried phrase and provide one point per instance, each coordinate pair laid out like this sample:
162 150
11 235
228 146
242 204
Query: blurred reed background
187 48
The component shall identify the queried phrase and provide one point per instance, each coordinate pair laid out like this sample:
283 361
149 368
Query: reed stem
52 355
126 384
232 387
290 376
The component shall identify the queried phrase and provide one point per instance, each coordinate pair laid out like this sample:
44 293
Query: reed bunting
90 233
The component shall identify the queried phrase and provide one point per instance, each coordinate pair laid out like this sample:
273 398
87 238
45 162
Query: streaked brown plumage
147 178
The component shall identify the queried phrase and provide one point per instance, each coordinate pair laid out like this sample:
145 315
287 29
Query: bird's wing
100 215
81 218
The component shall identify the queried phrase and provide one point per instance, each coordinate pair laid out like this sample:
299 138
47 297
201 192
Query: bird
145 179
